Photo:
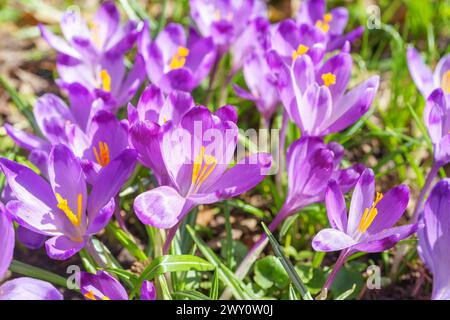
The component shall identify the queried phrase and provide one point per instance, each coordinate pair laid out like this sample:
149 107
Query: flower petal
336 209
102 285
332 240
6 240
62 248
29 289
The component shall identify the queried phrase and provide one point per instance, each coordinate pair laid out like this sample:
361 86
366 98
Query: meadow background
391 139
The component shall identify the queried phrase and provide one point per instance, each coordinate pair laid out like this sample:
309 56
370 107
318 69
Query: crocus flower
97 139
290 40
174 62
62 209
434 238
196 169
425 79
154 114
310 165
93 55
261 83
316 100
223 20
254 38
369 226
20 288
103 286
332 24
436 115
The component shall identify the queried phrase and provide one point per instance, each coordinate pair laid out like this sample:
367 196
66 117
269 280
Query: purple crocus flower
174 62
254 38
369 226
436 115
103 286
426 80
28 289
97 139
316 100
310 165
290 40
62 209
20 288
224 20
93 55
434 238
262 85
196 167
332 24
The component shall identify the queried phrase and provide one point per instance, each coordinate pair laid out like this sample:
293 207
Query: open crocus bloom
97 142
261 83
194 159
174 62
153 116
103 286
62 209
316 100
93 55
434 238
436 116
223 20
310 165
369 226
425 79
332 24
290 40
20 288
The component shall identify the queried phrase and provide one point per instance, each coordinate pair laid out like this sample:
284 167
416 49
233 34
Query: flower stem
337 266
256 250
433 172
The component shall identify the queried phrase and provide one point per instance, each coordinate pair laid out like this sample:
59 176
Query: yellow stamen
324 24
63 205
328 79
369 215
327 17
179 59
106 298
301 50
105 79
90 295
445 83
102 157
206 167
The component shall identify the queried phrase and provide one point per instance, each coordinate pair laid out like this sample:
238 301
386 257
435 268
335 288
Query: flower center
204 164
328 79
445 83
301 50
90 295
63 205
324 24
105 81
102 156
179 59
369 215
218 16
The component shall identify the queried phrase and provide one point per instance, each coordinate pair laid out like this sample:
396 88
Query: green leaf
351 273
124 275
163 264
126 240
292 293
312 277
269 272
287 265
226 275
38 273
347 293
190 295
214 294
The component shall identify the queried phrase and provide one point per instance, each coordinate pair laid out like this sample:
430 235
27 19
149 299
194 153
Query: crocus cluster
84 152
